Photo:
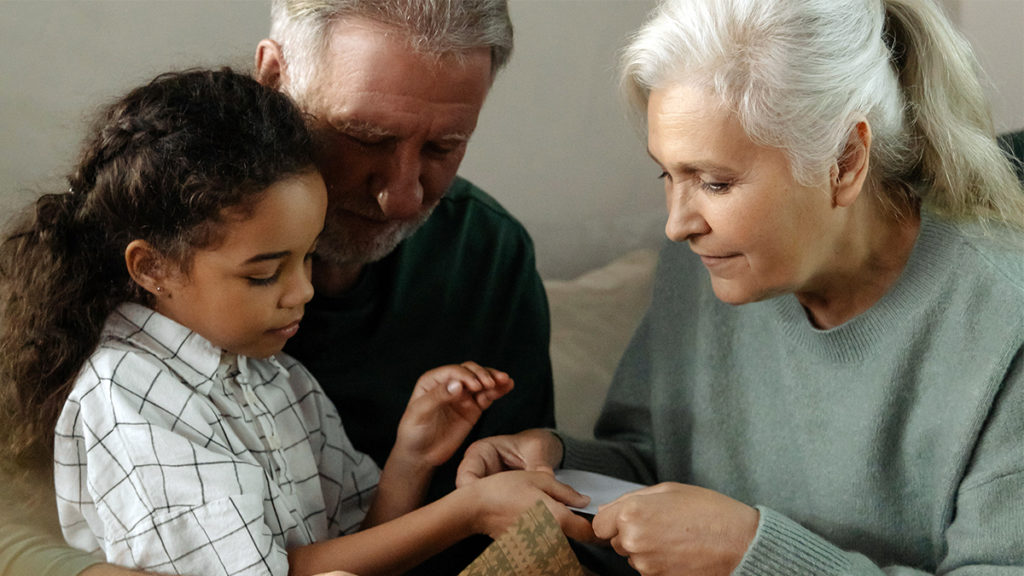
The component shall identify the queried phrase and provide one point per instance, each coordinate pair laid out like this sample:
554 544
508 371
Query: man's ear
147 267
850 171
270 65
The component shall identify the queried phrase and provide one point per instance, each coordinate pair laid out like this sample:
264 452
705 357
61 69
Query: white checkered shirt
173 456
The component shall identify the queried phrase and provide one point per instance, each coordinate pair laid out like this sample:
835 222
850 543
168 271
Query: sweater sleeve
30 539
520 338
29 550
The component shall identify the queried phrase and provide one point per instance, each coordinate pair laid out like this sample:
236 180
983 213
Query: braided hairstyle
163 164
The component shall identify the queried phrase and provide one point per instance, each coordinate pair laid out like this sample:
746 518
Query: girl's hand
678 529
444 406
495 502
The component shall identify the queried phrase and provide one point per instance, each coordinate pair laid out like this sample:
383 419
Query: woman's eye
715 187
663 175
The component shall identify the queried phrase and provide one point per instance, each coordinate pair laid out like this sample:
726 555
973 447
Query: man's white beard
341 246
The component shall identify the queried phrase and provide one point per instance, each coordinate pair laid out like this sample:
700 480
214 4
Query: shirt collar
193 358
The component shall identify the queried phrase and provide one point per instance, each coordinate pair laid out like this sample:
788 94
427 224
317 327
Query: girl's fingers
482 375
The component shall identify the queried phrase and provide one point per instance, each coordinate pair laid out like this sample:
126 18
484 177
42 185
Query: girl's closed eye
263 280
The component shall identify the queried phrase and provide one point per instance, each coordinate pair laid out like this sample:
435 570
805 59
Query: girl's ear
147 267
850 171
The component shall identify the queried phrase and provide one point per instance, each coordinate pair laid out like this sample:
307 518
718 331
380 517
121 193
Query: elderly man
416 267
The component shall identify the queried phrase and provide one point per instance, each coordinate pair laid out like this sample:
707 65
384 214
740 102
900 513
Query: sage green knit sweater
894 442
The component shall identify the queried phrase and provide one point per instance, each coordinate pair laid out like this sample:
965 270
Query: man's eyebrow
362 128
367 129
456 137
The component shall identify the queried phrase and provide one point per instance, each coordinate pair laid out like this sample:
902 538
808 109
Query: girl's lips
287 331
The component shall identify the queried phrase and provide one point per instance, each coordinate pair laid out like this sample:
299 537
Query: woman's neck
870 257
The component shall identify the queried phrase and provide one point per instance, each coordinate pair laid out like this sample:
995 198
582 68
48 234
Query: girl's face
758 231
247 294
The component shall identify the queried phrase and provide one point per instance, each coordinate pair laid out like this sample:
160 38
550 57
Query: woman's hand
495 503
444 406
535 449
675 528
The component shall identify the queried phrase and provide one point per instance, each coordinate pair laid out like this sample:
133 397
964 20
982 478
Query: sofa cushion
592 319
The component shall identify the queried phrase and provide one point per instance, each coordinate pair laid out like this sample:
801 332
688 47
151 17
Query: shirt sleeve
349 477
140 464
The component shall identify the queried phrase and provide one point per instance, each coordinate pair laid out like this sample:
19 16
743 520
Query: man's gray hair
439 27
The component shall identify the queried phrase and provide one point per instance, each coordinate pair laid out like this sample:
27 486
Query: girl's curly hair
162 164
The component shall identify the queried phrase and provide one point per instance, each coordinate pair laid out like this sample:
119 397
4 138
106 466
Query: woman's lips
712 261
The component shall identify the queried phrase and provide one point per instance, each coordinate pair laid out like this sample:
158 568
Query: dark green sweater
895 440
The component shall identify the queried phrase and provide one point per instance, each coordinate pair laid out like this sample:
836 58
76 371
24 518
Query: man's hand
535 449
494 503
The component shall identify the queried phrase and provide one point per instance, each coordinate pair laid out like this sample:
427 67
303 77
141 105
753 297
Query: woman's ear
850 171
147 267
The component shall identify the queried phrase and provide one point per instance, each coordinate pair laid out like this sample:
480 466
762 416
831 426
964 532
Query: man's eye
367 141
441 149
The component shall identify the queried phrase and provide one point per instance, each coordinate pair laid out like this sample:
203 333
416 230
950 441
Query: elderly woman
829 379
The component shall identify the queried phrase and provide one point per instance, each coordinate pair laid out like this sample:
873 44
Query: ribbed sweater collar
918 286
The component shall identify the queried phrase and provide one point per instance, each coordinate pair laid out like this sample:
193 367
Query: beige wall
996 30
552 145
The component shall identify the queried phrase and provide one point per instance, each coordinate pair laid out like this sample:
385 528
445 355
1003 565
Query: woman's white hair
800 75
439 27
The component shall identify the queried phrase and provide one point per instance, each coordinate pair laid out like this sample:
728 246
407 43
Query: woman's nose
684 218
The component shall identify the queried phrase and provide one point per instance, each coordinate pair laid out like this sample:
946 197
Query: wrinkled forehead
358 37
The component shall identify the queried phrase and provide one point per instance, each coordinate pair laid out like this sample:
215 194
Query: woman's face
758 231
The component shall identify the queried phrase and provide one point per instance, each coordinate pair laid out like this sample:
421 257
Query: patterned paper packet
534 546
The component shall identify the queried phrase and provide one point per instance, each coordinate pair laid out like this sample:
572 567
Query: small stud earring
159 288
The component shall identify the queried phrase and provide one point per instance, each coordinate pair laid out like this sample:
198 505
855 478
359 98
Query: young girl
144 314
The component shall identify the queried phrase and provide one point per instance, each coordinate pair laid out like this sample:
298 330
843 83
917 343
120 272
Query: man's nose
401 196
